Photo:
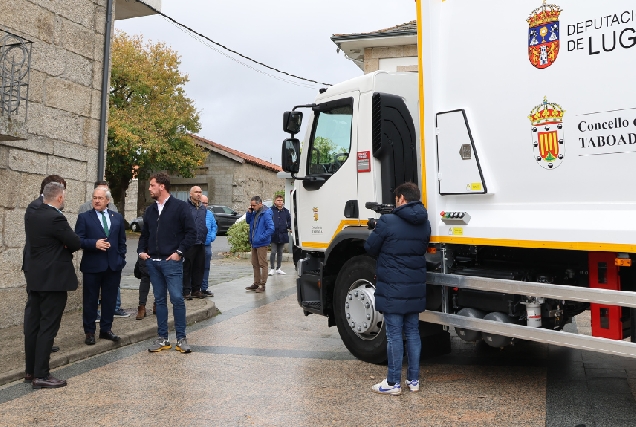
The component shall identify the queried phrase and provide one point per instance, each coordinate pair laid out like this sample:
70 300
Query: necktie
105 224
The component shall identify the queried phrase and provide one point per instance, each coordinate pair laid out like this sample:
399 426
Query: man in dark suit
103 239
33 206
50 276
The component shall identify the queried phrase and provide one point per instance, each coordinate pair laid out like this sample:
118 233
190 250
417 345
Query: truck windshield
331 140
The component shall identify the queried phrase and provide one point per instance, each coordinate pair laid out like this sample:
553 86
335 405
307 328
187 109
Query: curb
141 334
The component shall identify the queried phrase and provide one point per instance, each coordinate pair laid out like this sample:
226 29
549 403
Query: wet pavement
261 362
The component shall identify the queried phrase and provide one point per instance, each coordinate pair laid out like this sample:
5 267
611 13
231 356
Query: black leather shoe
198 294
207 293
109 336
187 296
55 349
48 382
90 339
28 377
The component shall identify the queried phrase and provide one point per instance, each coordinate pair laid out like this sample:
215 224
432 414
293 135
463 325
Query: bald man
194 264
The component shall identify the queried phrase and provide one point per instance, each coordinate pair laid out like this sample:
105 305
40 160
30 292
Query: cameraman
399 241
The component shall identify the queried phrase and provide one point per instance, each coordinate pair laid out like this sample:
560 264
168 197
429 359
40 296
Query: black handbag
137 271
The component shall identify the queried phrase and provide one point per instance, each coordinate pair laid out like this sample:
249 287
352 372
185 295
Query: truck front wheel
360 326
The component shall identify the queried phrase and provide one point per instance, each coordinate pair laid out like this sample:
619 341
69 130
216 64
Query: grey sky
239 107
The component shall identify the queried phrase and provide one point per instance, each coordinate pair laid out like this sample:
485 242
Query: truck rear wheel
360 326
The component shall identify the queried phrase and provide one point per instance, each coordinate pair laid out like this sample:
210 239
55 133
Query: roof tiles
249 159
406 28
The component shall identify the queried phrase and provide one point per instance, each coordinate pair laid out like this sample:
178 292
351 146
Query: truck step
312 305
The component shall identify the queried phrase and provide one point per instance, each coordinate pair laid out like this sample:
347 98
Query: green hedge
237 237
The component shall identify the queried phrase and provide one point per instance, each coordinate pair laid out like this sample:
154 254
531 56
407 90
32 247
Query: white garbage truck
520 130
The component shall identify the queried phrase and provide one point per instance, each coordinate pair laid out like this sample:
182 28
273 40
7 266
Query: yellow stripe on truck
536 244
420 62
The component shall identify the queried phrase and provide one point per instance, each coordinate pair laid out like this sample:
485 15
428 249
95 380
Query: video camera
380 208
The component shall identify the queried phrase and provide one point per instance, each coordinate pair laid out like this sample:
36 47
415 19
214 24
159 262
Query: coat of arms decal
543 35
547 134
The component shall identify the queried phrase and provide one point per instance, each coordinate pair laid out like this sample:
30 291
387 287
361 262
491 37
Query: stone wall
372 56
228 182
131 200
251 180
62 125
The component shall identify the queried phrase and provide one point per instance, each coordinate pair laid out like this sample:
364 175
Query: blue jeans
118 302
395 325
206 267
168 276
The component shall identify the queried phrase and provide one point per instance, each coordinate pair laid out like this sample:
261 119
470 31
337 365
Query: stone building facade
228 177
391 49
59 132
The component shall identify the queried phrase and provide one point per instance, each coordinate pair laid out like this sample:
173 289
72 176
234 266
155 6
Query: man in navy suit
103 240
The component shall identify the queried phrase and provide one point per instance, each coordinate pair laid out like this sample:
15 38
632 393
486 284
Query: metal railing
559 292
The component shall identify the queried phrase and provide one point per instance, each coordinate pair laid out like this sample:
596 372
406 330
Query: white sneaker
279 271
413 385
271 272
384 388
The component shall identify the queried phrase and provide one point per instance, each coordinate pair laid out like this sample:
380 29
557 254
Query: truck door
330 174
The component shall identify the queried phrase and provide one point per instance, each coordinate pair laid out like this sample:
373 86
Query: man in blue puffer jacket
259 217
399 242
210 222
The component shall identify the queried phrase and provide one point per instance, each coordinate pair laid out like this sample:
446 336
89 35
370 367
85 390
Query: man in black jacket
282 226
32 207
50 276
167 234
399 241
194 264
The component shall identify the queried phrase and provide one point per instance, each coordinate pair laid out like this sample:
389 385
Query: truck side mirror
292 121
290 158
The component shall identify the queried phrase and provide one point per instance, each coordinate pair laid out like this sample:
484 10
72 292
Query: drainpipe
105 86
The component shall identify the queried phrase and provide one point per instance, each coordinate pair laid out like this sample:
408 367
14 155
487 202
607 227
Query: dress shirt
99 217
161 205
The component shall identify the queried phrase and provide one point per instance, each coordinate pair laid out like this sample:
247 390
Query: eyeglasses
205 203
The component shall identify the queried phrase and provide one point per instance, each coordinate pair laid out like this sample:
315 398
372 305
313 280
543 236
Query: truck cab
361 142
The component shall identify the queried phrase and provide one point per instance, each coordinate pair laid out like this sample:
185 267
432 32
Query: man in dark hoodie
399 241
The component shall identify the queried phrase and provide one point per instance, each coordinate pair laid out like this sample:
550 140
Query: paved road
262 363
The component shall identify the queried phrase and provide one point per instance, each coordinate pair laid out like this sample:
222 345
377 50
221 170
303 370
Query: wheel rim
360 312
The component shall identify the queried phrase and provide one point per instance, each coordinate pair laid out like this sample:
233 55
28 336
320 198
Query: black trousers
43 322
144 283
108 283
193 268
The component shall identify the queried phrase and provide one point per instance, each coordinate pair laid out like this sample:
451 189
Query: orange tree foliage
150 116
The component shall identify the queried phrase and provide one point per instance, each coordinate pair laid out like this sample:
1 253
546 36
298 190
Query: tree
326 149
150 118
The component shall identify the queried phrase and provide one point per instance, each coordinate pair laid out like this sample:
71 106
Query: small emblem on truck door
543 35
547 134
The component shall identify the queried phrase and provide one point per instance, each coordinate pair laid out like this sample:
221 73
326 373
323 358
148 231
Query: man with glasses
103 238
210 222
194 263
